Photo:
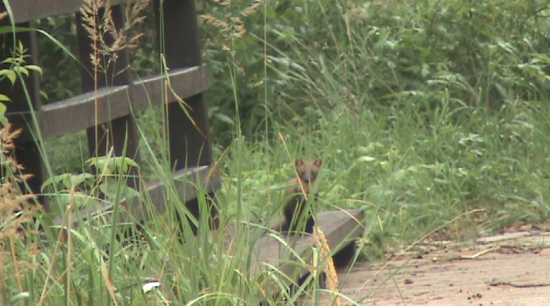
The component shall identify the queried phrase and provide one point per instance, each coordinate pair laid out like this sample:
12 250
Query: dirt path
512 269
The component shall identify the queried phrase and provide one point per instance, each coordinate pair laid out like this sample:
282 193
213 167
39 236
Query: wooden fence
111 108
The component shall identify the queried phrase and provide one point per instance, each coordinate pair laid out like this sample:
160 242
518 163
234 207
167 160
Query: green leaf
21 70
366 159
109 187
224 118
100 162
68 180
81 178
124 163
3 119
4 98
51 181
22 296
44 95
9 60
34 68
9 74
78 199
131 193
399 175
109 164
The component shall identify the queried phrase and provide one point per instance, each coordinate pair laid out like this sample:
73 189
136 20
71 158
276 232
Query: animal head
308 170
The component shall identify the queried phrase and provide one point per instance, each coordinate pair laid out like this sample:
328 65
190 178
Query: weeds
18 248
107 38
431 116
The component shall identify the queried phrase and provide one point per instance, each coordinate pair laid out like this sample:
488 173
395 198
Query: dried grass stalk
108 38
17 211
329 269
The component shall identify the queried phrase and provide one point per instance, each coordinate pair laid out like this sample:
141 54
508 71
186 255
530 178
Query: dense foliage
433 116
357 54
454 93
429 108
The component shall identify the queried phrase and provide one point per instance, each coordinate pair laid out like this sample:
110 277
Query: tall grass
430 115
103 261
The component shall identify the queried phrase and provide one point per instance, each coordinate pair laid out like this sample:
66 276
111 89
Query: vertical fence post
103 136
26 151
190 144
189 137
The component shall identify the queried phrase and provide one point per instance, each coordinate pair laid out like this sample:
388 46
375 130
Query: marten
296 211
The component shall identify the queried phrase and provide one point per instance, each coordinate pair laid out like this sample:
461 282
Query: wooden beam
84 111
185 182
184 82
269 253
29 10
77 113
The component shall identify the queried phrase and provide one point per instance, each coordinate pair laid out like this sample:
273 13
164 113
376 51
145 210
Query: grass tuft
430 116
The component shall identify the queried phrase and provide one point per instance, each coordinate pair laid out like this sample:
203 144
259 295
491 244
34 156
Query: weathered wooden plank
269 253
78 113
337 226
185 182
184 82
28 10
84 111
189 137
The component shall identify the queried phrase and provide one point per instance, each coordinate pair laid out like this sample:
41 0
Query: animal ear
318 162
298 162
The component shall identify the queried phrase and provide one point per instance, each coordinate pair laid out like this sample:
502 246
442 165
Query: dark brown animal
296 209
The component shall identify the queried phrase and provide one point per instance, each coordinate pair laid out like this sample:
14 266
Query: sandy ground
510 269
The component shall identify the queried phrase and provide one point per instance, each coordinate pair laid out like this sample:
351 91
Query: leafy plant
17 68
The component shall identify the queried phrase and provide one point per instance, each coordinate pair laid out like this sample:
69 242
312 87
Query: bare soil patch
508 269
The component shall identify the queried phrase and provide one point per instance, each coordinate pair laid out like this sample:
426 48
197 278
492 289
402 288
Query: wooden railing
106 113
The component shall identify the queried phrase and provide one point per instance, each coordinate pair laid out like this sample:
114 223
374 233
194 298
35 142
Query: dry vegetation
18 249
431 117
